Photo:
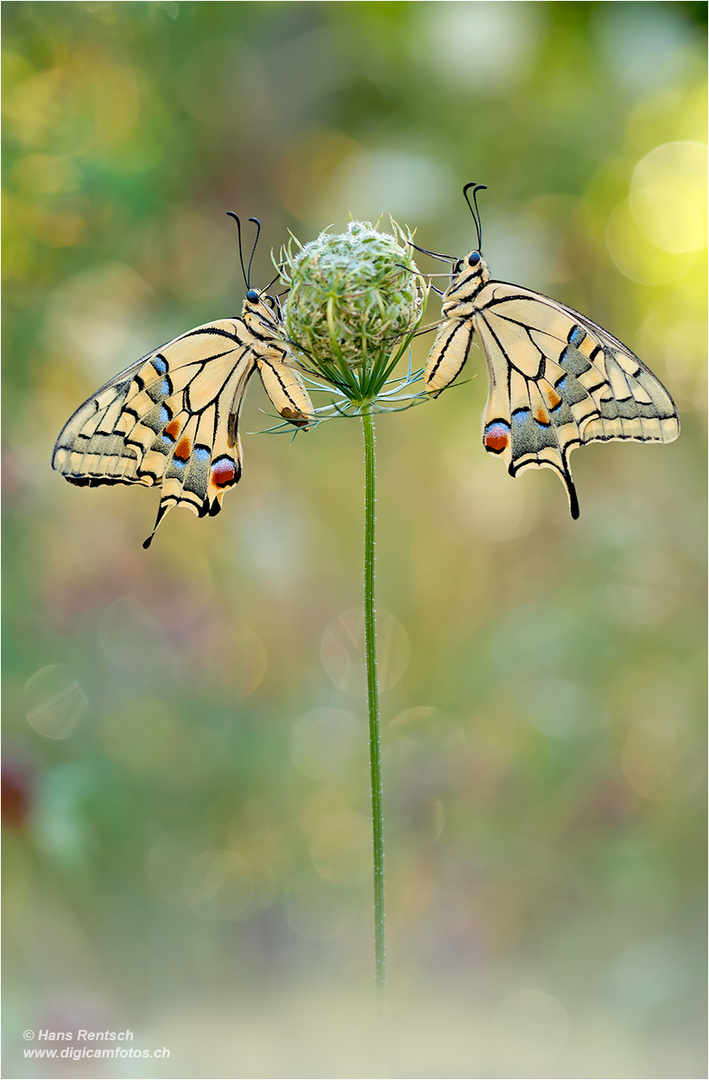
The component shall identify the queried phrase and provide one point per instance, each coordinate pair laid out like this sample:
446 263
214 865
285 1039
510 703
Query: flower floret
352 296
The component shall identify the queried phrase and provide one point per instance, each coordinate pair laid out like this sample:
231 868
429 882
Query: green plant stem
375 763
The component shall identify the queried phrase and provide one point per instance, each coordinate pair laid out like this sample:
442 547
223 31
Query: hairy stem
373 706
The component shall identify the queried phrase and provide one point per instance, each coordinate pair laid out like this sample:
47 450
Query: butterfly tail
518 427
568 482
162 510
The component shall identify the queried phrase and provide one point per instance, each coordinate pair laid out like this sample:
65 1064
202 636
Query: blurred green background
186 794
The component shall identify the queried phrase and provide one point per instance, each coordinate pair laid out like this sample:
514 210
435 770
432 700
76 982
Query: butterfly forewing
89 449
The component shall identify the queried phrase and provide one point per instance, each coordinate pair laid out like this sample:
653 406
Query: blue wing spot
560 383
166 387
160 365
201 453
521 416
576 335
179 463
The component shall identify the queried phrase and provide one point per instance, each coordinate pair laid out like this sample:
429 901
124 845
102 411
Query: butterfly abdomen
455 333
448 355
285 388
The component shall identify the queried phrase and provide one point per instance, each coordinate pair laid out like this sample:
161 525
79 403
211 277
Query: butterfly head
261 306
471 271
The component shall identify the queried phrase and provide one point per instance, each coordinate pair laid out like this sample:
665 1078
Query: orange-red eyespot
224 472
173 429
497 436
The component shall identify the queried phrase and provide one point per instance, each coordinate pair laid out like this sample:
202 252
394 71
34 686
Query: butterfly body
172 418
557 380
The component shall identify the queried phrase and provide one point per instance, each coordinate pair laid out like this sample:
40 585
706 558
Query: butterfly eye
474 258
252 296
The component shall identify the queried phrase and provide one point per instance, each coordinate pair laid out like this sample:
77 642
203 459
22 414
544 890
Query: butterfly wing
89 450
558 381
172 419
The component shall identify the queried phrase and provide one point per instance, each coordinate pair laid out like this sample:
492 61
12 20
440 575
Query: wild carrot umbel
354 304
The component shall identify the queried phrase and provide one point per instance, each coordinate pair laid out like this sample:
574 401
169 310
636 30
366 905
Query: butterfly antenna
236 218
433 254
257 223
474 208
271 282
